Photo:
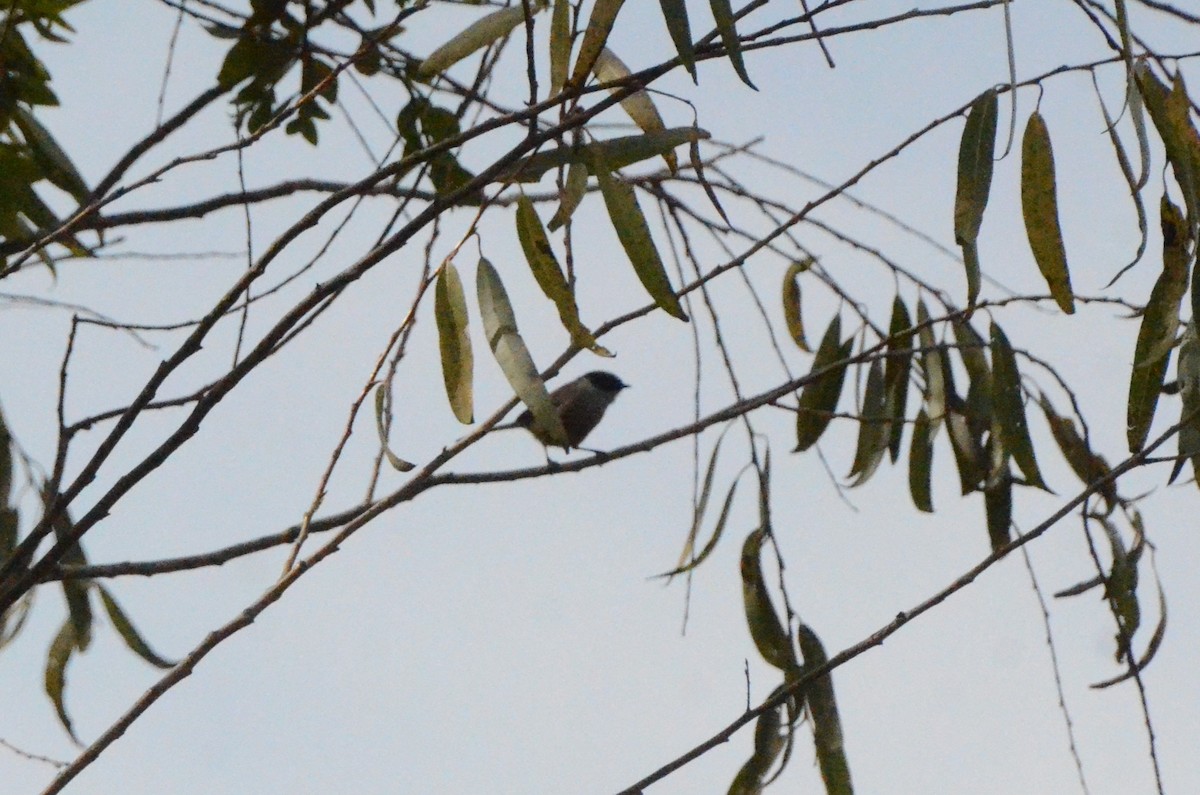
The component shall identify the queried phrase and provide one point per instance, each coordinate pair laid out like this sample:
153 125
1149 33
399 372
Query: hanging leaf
931 367
640 107
1120 588
484 32
1010 408
920 463
874 428
895 373
617 153
125 628
383 397
768 744
722 13
1160 323
698 167
827 726
61 649
819 398
500 326
1170 111
634 234
766 630
1189 390
600 23
1087 465
1039 204
975 153
675 15
997 500
968 452
574 188
791 302
560 45
549 275
454 343
49 156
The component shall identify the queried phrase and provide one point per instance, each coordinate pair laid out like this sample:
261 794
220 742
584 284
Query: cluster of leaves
29 154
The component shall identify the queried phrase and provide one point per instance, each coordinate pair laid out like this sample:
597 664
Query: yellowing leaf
600 23
500 326
549 275
827 726
975 152
615 152
383 396
128 632
640 107
765 629
450 310
574 189
1039 204
1009 406
560 44
61 649
675 15
634 234
791 302
483 32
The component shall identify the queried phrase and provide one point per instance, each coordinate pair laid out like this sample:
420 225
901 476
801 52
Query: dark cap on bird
581 405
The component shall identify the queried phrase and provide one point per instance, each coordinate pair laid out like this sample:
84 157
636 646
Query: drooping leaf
1152 647
640 107
827 725
819 398
616 152
454 343
1160 323
46 152
128 632
1170 111
675 15
997 501
500 326
688 559
1088 466
920 463
722 13
1120 588
383 394
549 275
1188 367
768 743
574 188
975 154
698 167
485 31
874 428
1010 408
55 679
595 36
765 628
560 45
791 302
634 234
931 367
1039 205
895 373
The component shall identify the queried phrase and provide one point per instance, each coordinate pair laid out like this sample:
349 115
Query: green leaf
483 32
827 726
1170 111
1160 323
997 500
549 275
874 428
129 634
819 398
573 191
920 463
769 741
688 560
975 153
765 628
931 366
500 326
634 234
615 152
1010 408
1039 205
1088 466
55 680
791 302
675 15
383 395
49 156
1189 390
264 59
454 343
722 13
595 36
895 373
1120 588
560 45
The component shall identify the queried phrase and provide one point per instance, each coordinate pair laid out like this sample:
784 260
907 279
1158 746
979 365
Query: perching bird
581 405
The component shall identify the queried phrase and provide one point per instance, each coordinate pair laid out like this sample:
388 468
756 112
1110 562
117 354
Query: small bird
581 405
